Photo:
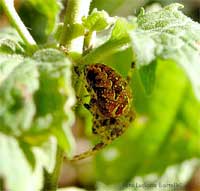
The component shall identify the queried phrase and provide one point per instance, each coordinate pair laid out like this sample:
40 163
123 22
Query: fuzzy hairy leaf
19 83
10 41
36 99
96 21
168 34
16 171
55 98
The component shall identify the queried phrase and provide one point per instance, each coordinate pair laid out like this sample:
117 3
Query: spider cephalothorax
110 104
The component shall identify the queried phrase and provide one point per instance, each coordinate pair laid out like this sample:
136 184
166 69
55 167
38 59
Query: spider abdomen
110 90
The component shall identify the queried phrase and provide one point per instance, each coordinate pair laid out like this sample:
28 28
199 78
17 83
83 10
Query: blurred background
162 145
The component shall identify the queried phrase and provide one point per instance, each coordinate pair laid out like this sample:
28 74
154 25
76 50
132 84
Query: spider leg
90 152
122 125
87 106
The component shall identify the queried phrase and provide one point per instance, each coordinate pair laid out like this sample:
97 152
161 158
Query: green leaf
55 98
182 143
183 139
15 170
10 41
16 93
7 64
97 20
190 111
147 75
43 16
36 99
168 34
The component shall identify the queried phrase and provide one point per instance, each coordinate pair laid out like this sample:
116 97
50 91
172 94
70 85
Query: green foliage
37 96
96 21
36 99
117 7
117 40
168 34
55 97
109 7
147 74
161 135
16 96
10 41
16 171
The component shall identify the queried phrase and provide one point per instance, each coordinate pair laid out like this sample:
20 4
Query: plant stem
87 42
8 6
108 48
76 9
51 180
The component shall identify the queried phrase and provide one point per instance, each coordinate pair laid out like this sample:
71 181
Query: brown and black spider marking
110 104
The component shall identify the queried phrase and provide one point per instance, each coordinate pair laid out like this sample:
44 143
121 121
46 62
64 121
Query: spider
110 105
